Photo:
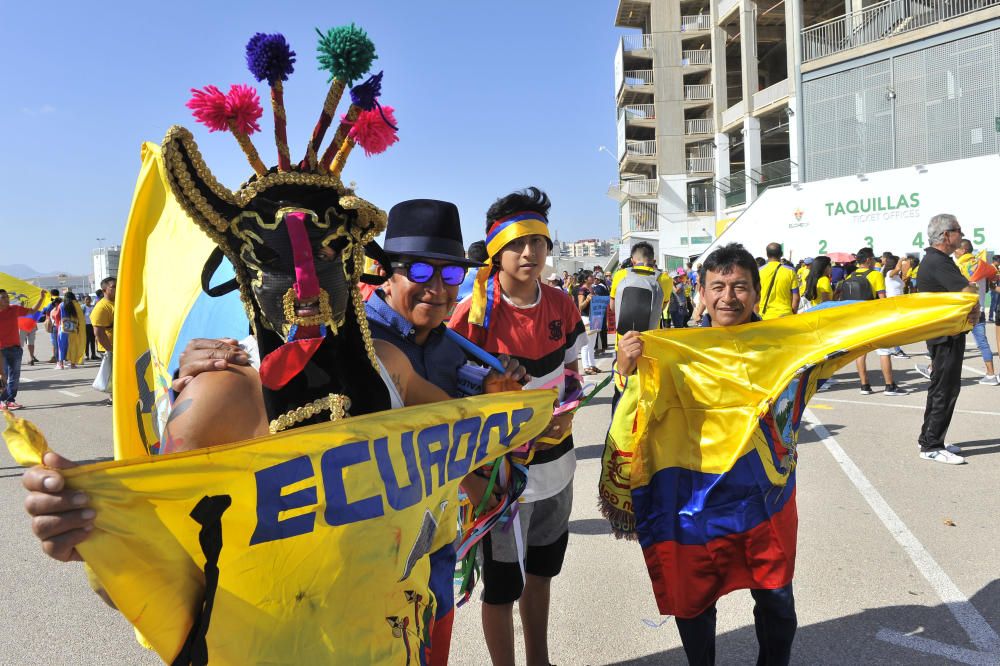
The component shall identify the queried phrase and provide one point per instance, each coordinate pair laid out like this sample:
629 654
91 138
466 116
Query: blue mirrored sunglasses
421 272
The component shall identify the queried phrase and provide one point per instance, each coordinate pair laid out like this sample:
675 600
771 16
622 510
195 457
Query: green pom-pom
345 52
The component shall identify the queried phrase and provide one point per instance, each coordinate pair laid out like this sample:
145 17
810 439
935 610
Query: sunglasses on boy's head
421 272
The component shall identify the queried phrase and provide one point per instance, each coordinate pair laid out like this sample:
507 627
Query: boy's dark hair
644 250
477 252
530 198
724 259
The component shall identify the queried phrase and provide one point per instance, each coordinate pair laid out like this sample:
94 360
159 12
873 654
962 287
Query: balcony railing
698 92
641 148
699 57
639 216
770 94
773 173
637 42
734 188
697 22
640 187
701 199
699 126
639 112
700 164
638 77
881 21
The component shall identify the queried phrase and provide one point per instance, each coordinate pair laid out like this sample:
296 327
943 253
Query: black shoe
866 389
892 389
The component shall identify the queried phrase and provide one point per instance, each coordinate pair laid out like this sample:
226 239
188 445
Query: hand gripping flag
700 459
306 547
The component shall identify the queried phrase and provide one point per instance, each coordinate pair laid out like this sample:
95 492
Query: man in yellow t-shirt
866 266
780 284
103 316
644 263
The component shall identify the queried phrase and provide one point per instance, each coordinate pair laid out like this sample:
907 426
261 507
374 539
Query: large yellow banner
317 537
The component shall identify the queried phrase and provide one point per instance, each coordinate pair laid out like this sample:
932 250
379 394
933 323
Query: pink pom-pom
209 107
243 107
371 132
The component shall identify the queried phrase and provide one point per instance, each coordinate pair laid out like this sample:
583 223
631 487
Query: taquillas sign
889 202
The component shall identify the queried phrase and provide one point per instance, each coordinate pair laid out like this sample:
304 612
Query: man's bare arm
103 339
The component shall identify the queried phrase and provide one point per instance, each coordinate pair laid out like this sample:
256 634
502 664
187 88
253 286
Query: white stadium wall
886 210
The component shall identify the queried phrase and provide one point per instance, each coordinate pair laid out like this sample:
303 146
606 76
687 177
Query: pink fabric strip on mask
306 283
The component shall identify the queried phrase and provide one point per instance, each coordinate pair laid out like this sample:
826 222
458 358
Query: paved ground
897 556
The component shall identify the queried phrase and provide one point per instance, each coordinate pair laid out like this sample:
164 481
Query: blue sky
489 97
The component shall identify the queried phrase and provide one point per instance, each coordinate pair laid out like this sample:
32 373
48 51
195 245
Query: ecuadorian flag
712 473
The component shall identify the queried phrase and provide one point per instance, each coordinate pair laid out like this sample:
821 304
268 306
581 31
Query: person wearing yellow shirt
866 267
643 262
781 286
818 288
803 271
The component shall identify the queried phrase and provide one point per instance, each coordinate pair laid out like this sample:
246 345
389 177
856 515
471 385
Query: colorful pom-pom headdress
294 234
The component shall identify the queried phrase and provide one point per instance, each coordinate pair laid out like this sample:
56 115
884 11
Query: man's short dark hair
106 282
53 292
477 252
645 252
864 254
773 250
966 245
728 257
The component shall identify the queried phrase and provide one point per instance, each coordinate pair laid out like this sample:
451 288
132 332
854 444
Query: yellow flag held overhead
22 292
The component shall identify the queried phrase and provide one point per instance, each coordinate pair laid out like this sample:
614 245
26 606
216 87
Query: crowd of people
78 332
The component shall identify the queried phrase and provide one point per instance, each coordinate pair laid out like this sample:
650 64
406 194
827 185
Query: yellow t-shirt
103 315
823 286
876 280
666 284
776 299
803 274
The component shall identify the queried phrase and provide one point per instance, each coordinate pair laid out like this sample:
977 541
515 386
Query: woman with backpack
69 322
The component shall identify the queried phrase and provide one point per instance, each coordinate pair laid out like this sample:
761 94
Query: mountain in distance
22 271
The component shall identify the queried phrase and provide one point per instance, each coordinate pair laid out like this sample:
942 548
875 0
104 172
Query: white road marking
979 631
69 393
899 404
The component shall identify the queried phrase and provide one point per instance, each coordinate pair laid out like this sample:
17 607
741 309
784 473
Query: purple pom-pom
269 57
364 95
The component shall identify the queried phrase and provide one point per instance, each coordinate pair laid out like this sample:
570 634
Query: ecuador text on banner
706 462
320 535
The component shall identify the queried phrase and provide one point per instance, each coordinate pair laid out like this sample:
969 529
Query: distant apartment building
78 284
589 247
105 261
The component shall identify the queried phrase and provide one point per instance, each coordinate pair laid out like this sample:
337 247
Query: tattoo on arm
171 443
397 380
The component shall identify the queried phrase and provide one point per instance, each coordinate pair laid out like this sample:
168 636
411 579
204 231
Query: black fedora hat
427 229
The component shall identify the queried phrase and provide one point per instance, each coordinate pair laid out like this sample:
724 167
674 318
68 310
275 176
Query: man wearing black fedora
427 264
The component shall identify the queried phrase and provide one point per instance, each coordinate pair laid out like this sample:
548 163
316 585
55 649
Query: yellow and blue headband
486 291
